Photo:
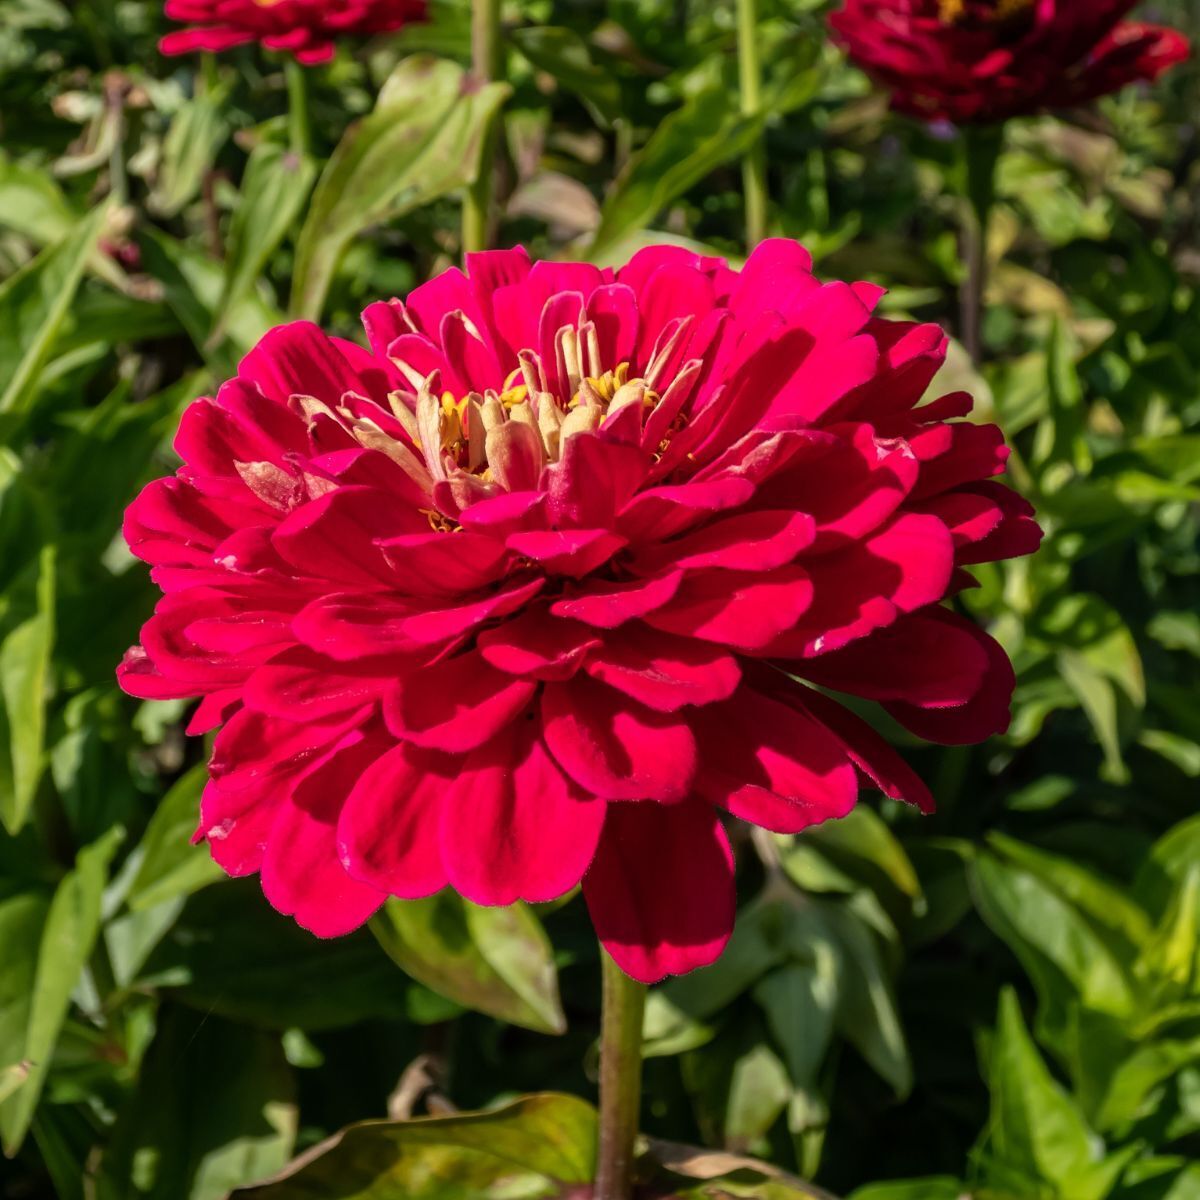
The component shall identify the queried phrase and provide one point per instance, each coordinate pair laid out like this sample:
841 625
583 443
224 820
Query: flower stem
754 165
624 1001
297 89
980 154
486 61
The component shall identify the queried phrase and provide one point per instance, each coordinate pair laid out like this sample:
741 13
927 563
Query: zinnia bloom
531 592
988 60
305 29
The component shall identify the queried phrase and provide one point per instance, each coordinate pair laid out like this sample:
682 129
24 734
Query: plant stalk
299 129
623 1004
486 65
754 165
980 155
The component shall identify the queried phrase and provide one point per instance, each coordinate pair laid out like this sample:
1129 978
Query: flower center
954 12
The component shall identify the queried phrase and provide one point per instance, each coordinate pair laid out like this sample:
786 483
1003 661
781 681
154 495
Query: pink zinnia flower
531 592
987 60
305 29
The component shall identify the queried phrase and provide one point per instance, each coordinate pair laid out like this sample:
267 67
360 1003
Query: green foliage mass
1001 1001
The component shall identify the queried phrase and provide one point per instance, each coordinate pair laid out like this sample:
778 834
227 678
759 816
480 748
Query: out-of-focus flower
306 29
532 591
988 60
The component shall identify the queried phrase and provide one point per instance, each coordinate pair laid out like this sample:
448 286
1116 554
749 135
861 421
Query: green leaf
706 132
938 1188
1072 960
274 189
1135 1087
861 843
170 865
197 132
24 675
72 922
565 55
540 1146
423 140
759 1091
866 1013
33 305
231 954
1035 1132
670 1171
214 1110
800 1002
497 961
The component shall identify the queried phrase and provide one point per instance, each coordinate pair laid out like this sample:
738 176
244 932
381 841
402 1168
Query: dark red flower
988 60
306 29
524 595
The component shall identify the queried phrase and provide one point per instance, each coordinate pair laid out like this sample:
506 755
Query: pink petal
571 552
513 826
387 833
743 610
615 748
456 704
753 541
664 672
607 605
539 645
660 891
771 764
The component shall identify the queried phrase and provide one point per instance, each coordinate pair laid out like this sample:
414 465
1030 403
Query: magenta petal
302 874
537 644
571 552
615 748
882 765
664 672
513 826
772 765
660 891
387 834
607 605
743 610
456 704
754 541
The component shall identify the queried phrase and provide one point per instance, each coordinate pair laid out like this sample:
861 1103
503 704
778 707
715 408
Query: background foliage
999 1001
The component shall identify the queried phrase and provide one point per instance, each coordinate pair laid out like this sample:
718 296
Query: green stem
298 123
624 1002
980 154
486 64
754 165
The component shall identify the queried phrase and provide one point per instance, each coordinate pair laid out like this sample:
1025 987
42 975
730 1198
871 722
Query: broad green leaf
72 922
33 305
498 961
939 1188
1070 959
565 55
800 1001
1035 1132
197 132
25 655
231 954
274 189
1169 862
22 919
32 203
670 1171
759 1090
214 1110
423 140
1135 1087
861 843
706 132
192 283
538 1147
170 865
1169 962
866 1013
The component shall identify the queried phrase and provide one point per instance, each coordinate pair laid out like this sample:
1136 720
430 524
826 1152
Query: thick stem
624 1002
298 124
486 64
977 182
754 165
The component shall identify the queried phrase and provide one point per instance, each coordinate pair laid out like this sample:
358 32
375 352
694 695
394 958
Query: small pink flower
531 592
984 61
305 29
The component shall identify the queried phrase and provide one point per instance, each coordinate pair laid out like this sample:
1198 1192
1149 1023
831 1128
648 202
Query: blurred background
1001 1001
